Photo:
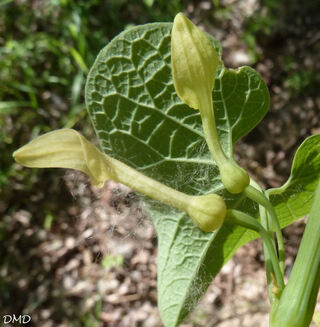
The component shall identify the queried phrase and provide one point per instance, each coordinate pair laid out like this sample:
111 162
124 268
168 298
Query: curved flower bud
66 148
194 63
207 211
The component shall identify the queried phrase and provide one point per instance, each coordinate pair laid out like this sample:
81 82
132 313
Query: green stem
297 303
259 197
242 219
266 225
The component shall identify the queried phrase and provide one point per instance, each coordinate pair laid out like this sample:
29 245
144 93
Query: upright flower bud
194 63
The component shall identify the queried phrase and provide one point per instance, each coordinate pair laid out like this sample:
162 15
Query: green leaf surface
140 120
294 199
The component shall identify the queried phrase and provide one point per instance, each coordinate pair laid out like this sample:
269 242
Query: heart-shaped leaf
140 120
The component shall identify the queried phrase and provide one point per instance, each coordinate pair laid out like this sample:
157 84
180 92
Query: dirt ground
102 255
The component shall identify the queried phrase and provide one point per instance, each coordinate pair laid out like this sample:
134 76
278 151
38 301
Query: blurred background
73 255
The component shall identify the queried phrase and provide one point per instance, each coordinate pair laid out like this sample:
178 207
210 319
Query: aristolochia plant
167 114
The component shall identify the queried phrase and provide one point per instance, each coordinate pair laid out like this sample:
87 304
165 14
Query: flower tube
66 148
194 63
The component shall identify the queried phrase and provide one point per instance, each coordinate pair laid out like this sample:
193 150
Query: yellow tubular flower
194 62
66 148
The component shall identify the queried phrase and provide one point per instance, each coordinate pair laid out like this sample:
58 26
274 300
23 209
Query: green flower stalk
194 64
236 217
66 148
297 302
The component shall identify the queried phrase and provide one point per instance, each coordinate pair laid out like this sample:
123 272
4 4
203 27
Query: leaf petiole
259 197
240 218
